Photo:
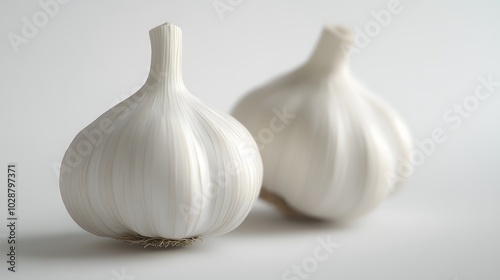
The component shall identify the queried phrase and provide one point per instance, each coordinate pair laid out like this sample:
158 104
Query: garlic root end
159 242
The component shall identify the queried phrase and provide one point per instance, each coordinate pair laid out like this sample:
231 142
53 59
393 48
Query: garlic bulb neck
330 55
166 56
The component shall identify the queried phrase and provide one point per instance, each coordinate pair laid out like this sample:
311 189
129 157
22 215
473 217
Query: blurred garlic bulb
328 145
161 168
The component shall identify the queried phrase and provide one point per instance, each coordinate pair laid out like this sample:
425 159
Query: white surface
444 224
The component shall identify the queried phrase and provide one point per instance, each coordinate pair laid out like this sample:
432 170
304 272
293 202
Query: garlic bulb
161 168
327 144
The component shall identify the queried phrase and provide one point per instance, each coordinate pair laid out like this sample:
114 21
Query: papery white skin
161 163
333 157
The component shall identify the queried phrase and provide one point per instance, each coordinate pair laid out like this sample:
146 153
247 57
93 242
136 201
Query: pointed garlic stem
332 51
166 55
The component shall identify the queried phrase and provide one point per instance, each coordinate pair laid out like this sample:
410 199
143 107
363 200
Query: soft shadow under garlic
86 246
265 221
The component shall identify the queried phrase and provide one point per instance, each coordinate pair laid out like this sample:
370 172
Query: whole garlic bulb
161 168
328 145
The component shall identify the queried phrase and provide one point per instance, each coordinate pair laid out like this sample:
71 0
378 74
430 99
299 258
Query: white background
445 223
